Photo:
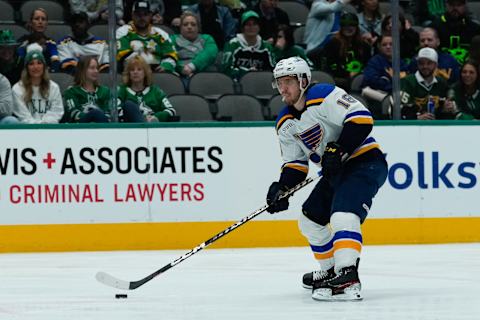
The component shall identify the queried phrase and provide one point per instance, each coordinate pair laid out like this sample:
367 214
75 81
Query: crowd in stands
350 40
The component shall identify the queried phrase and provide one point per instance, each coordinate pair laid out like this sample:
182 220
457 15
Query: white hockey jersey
304 135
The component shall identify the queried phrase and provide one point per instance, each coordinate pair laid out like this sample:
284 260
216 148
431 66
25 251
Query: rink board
172 186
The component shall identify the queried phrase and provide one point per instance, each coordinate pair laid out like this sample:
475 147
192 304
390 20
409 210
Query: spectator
10 65
6 102
271 16
37 26
377 81
474 50
284 45
87 100
323 20
140 37
370 21
216 21
425 11
456 29
36 98
408 37
196 51
165 12
423 94
138 95
97 10
346 54
447 68
466 92
247 51
81 43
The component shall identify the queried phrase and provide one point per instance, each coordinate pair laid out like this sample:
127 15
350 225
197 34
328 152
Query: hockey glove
273 195
332 160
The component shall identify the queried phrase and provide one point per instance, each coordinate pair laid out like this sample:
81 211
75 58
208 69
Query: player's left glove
332 160
273 198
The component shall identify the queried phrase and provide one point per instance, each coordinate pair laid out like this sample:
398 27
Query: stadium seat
64 80
298 36
239 107
211 85
104 79
58 31
258 84
56 14
473 8
6 13
297 12
322 77
191 107
169 83
99 30
18 31
361 99
275 105
356 83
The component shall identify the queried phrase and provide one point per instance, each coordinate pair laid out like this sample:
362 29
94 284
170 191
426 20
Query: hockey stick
112 281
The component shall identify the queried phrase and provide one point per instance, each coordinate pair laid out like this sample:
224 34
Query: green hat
6 38
34 55
249 14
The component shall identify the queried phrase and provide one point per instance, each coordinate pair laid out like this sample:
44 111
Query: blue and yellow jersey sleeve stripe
359 117
297 165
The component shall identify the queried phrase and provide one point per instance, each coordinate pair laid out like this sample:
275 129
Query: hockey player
323 124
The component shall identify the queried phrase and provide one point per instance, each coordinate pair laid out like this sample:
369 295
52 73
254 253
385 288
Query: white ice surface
427 282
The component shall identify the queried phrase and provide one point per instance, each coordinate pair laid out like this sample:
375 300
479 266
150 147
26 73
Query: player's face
35 69
289 88
137 74
92 71
469 74
189 28
426 67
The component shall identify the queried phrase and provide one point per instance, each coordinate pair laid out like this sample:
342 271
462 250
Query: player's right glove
273 195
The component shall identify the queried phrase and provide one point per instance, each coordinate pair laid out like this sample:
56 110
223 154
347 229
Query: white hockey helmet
293 66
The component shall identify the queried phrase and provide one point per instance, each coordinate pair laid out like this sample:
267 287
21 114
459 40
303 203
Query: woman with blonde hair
196 51
36 98
139 100
87 100
37 26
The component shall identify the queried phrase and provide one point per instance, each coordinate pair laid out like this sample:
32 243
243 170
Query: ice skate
344 286
310 277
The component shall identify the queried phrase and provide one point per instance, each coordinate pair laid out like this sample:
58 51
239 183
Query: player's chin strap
302 89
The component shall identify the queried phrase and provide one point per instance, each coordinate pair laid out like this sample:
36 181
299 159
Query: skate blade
306 286
352 293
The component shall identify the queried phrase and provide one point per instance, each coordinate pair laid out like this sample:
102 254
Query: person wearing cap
37 26
247 51
456 29
424 95
140 37
216 20
346 54
36 98
97 10
322 21
447 68
271 16
81 43
10 64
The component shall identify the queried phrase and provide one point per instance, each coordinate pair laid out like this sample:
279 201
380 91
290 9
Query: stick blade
111 281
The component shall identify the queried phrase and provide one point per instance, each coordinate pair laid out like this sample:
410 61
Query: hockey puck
121 296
